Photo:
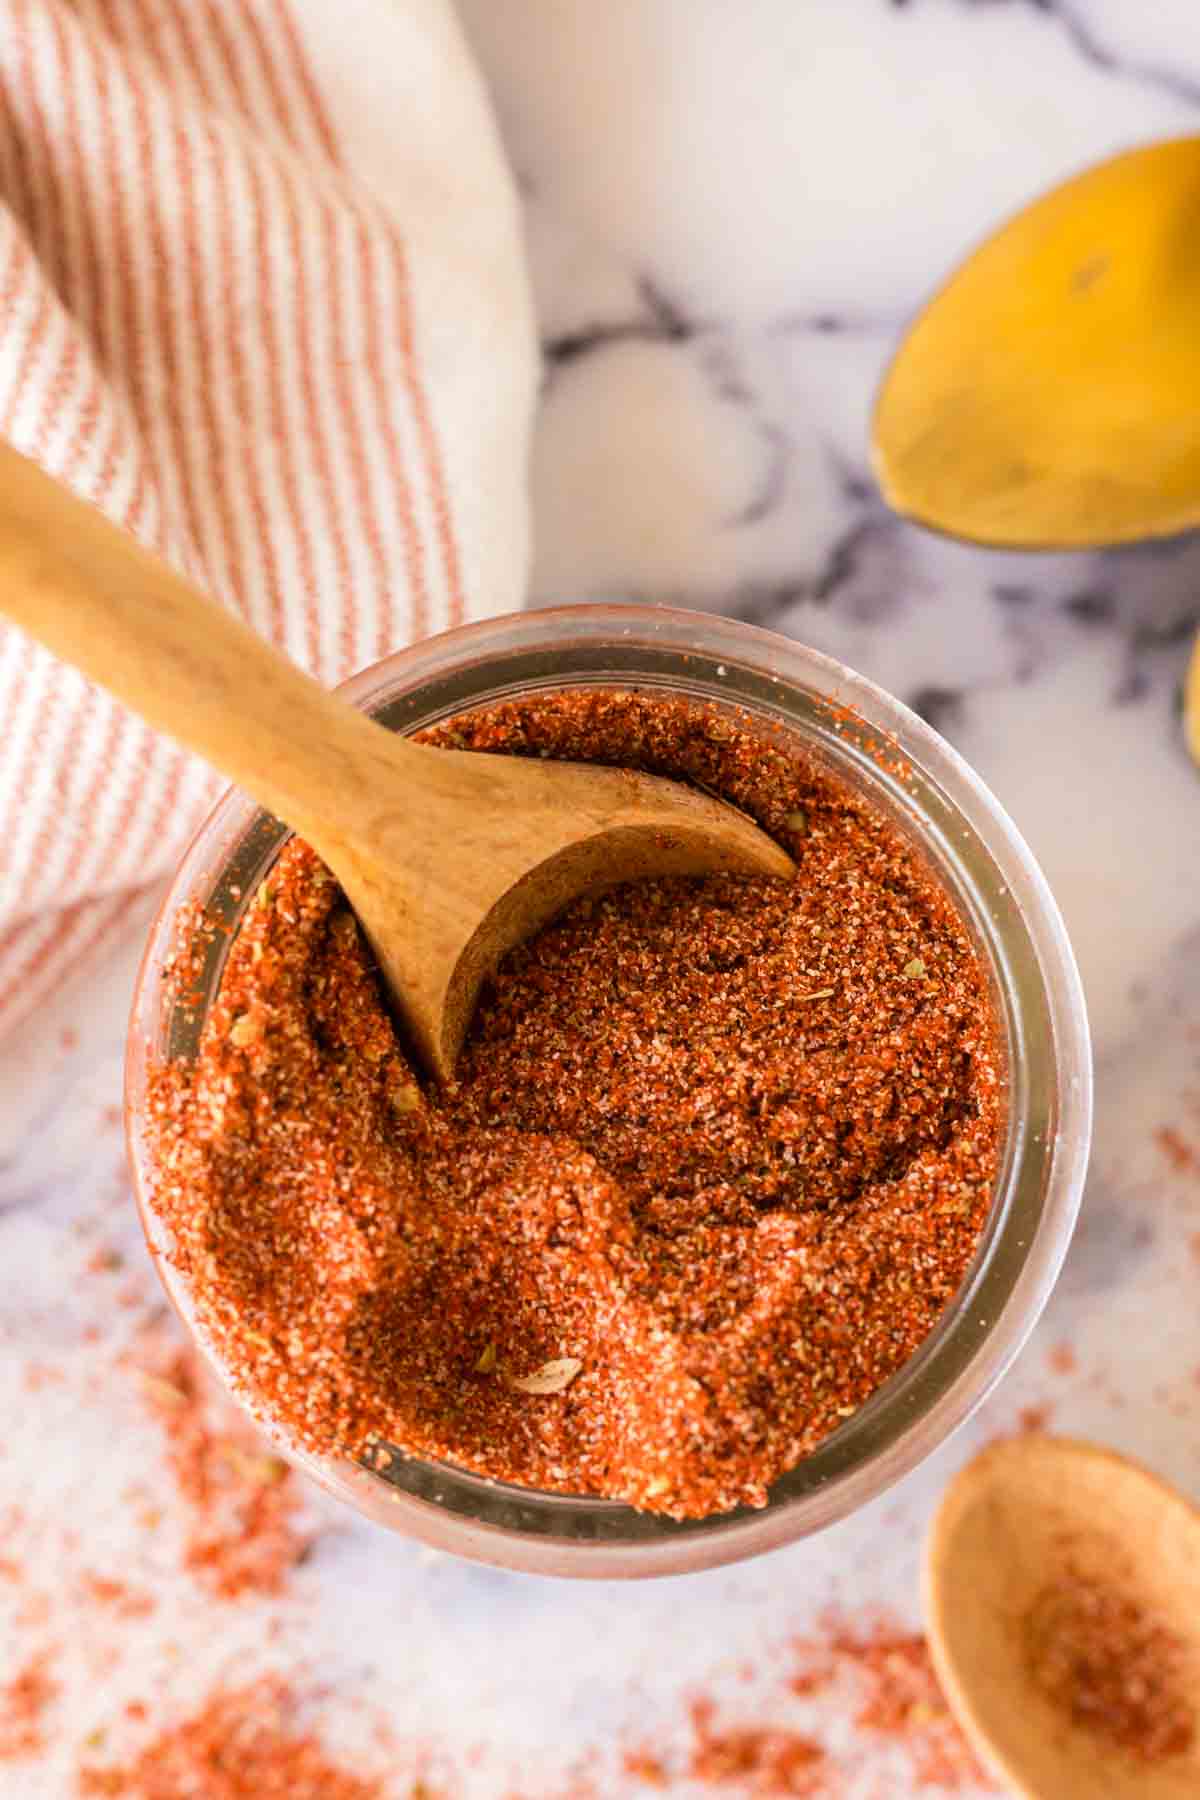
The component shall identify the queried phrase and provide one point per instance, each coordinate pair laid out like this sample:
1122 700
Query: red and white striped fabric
262 299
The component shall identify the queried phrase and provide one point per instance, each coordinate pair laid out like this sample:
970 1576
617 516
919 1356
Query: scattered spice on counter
889 1683
117 1596
1111 1666
874 1676
244 1744
759 1759
24 1701
647 1766
904 1702
715 1159
244 1504
39 1375
106 1260
1182 1156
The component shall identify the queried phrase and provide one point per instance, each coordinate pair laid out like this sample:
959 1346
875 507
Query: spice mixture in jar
716 1156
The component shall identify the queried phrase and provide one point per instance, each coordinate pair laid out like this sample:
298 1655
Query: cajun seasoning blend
1110 1666
716 1156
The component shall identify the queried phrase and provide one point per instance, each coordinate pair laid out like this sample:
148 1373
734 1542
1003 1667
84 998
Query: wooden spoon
448 857
1024 1521
1049 395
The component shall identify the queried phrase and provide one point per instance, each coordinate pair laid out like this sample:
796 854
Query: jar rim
877 742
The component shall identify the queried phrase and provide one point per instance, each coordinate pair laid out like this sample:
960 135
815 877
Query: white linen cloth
263 300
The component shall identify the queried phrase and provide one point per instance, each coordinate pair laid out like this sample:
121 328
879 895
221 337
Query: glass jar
884 750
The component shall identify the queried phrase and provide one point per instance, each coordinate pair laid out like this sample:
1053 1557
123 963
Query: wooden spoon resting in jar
448 857
1062 1585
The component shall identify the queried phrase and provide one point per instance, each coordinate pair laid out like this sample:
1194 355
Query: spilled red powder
245 1744
760 1759
243 1502
814 1677
1177 1150
1034 1419
125 1602
23 1702
39 1375
105 1261
888 1679
878 1676
1062 1360
903 1701
647 1766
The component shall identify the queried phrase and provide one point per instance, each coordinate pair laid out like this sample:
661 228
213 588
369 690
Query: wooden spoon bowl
1049 393
1027 1526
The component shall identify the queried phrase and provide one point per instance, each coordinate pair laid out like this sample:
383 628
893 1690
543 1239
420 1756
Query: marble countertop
732 209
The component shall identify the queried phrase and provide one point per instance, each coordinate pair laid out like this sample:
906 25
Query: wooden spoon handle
93 596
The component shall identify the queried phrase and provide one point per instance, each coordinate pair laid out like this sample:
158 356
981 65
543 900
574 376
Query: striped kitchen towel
262 299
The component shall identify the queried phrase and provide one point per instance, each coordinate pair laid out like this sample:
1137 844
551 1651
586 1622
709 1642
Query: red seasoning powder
902 1701
716 1156
246 1528
243 1744
24 1702
1111 1666
871 1674
756 1759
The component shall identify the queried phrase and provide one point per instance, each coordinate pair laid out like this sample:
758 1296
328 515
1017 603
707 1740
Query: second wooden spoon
1062 1600
1049 394
448 857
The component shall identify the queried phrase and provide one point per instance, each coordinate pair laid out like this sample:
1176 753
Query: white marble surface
731 211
